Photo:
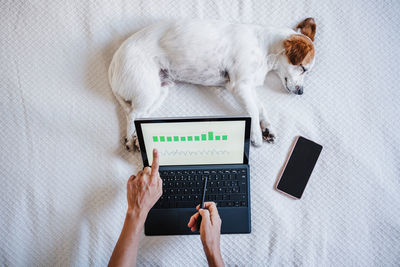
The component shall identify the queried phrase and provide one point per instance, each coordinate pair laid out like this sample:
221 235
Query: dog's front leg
266 128
244 95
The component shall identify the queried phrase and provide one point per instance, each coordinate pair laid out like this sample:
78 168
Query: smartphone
298 167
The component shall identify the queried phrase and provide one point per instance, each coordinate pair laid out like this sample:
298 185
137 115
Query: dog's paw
268 135
136 143
256 138
132 144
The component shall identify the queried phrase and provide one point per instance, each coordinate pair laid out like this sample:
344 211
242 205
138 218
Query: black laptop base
168 217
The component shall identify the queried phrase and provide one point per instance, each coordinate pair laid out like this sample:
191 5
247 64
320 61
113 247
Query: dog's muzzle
299 90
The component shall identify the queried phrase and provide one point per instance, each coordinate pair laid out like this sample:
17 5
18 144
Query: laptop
189 150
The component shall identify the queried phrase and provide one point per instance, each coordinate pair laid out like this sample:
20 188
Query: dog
209 53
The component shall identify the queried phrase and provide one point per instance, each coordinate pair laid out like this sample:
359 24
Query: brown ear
308 28
298 49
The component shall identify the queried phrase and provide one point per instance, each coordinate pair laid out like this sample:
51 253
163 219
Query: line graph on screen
189 153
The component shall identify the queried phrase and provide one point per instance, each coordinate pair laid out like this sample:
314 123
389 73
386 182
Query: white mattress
63 169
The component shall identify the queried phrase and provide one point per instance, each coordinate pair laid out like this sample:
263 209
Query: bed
64 169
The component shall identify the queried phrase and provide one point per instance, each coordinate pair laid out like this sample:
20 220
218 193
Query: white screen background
229 151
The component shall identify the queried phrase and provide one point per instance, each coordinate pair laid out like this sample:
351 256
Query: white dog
210 53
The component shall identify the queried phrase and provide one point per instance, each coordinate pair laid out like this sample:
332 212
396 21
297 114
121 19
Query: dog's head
298 57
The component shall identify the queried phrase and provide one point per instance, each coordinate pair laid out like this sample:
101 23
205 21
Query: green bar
169 138
203 137
210 136
197 138
217 137
155 138
224 137
190 138
176 138
183 138
162 138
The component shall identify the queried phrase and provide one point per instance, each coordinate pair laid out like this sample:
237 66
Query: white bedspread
63 169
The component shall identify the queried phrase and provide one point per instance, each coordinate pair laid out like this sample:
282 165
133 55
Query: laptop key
242 187
238 197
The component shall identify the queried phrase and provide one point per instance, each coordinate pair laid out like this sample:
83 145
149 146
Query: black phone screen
299 167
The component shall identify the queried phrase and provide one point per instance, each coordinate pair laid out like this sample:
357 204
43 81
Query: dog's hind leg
126 105
128 110
130 115
159 100
131 140
136 83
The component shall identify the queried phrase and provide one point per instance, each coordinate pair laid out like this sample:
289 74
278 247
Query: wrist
136 219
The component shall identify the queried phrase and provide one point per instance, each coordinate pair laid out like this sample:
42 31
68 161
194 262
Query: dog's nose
299 90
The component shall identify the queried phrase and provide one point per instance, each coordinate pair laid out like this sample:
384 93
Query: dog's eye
303 69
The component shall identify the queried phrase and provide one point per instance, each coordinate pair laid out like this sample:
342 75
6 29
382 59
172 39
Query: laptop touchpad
168 221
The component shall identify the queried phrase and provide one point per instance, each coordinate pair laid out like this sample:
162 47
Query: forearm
125 251
214 258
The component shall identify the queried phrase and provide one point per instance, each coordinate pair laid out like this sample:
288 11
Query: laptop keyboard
183 188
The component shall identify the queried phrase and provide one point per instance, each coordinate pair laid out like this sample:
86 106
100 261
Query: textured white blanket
63 169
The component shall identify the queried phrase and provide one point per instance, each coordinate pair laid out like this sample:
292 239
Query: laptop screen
194 142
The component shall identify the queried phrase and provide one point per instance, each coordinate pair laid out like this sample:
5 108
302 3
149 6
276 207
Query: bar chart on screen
209 136
190 143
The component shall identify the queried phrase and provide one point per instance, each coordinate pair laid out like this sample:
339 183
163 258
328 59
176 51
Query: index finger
155 164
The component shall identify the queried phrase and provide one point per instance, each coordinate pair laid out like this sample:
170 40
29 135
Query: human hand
210 230
144 189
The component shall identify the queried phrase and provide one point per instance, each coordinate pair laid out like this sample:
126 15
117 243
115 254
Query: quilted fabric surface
63 168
